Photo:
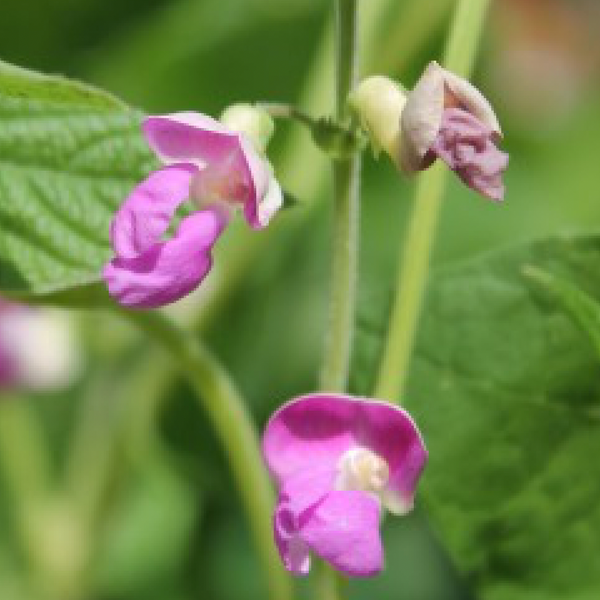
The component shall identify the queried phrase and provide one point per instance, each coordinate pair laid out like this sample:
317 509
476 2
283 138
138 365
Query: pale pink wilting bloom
214 167
444 117
448 118
38 349
339 462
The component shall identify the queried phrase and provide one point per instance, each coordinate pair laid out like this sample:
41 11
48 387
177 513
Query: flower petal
146 213
343 529
258 213
308 432
466 145
314 431
463 94
167 270
421 118
293 551
189 137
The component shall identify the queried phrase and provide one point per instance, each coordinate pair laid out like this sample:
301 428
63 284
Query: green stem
414 263
23 451
226 410
342 301
346 176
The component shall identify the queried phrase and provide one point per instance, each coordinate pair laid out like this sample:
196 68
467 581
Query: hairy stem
459 57
226 411
346 175
342 299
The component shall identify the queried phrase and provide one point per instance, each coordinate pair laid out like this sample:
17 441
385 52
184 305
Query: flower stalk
346 176
415 252
342 301
226 411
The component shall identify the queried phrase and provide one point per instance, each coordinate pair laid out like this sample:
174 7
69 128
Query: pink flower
448 118
212 166
338 462
444 117
38 349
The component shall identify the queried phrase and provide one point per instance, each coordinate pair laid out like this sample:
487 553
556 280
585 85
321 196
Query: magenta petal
314 431
293 551
297 496
259 174
343 529
467 146
190 137
167 270
147 212
308 432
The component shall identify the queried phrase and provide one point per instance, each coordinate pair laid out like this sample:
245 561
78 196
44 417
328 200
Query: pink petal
9 368
343 529
198 139
300 493
167 270
293 551
312 432
467 146
189 137
306 433
260 176
147 212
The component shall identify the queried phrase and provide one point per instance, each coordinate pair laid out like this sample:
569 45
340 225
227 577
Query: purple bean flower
338 462
214 167
448 118
444 117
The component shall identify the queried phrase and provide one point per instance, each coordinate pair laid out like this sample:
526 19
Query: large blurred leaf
148 533
505 388
68 156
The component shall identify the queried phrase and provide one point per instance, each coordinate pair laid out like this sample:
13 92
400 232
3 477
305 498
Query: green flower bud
250 120
378 103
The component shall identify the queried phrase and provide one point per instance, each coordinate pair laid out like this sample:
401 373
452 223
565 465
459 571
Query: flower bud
378 102
436 91
250 120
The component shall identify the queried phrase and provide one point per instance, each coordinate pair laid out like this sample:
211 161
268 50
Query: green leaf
583 309
505 389
69 154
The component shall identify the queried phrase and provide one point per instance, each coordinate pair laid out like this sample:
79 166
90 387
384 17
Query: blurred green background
168 525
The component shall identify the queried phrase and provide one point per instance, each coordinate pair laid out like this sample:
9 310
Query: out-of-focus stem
416 250
227 413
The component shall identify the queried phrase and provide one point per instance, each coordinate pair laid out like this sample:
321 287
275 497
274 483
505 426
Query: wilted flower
38 350
445 117
339 461
214 167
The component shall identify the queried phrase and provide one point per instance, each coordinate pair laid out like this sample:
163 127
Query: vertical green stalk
346 205
459 57
346 178
226 411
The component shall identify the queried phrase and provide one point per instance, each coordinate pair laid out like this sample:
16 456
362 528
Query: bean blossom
218 170
339 462
444 117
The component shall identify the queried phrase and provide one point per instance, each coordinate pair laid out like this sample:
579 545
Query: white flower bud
250 120
378 102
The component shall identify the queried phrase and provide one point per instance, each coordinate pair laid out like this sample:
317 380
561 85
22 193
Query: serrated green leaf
69 154
506 392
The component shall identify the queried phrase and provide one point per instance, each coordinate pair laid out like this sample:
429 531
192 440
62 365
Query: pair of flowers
339 461
218 168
